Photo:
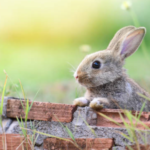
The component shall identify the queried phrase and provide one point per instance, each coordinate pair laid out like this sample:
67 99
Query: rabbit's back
138 94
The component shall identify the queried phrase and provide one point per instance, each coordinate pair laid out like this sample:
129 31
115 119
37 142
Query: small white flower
85 48
126 5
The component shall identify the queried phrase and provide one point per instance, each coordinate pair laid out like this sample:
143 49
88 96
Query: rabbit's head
106 66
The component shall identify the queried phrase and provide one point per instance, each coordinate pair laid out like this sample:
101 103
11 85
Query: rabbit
106 82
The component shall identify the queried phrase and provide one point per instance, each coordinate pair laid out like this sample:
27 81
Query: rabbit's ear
121 33
130 43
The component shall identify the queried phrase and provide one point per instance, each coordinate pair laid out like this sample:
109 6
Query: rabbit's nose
76 77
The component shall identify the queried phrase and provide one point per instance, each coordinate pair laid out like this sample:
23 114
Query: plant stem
137 24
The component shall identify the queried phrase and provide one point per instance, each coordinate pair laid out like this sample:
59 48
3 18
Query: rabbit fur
109 86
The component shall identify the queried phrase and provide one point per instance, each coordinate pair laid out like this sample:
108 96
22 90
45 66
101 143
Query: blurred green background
43 41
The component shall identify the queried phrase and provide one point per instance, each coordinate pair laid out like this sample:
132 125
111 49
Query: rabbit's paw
97 103
81 101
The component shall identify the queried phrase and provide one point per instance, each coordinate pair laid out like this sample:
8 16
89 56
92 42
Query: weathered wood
41 111
13 142
115 115
83 143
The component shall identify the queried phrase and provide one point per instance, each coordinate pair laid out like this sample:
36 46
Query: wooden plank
115 115
13 142
83 143
41 111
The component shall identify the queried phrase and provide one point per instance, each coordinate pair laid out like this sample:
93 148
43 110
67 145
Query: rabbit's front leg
97 103
81 101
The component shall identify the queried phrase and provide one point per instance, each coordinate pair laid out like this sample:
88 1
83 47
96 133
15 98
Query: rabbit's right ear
120 34
130 43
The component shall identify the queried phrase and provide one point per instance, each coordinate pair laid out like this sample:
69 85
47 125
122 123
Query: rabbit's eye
96 64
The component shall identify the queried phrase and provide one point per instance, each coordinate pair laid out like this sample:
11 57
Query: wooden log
41 111
115 114
13 142
83 143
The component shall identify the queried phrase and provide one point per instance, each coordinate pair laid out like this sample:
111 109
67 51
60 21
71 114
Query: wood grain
13 142
115 115
83 143
41 111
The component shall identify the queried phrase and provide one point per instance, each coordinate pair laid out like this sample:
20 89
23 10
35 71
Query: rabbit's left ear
130 43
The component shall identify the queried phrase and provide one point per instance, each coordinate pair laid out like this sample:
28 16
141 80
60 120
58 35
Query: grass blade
141 110
3 94
27 110
70 133
143 96
34 99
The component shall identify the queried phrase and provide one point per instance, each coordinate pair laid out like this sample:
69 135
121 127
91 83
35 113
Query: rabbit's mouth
84 81
82 78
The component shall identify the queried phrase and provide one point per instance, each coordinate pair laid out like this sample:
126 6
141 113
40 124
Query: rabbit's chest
111 90
114 89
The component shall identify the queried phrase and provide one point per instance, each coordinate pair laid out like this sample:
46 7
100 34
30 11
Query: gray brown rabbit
105 79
